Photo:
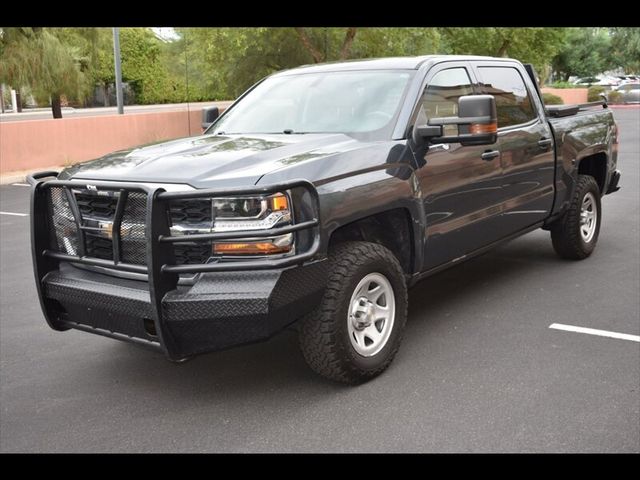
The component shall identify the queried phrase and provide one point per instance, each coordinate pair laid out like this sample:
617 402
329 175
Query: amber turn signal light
249 248
478 128
279 202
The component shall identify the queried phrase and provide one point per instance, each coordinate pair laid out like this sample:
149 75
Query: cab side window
440 97
512 99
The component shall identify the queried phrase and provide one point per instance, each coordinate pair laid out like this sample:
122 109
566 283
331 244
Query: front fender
347 200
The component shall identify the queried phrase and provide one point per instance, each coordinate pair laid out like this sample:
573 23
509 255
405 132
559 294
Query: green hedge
563 85
593 94
614 97
551 99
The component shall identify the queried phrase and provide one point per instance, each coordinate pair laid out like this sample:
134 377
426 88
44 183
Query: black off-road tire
565 232
323 334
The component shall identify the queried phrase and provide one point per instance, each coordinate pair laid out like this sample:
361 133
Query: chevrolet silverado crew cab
315 201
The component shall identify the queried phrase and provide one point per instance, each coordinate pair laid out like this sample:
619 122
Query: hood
211 160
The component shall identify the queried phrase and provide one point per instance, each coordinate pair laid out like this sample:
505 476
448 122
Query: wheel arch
595 165
392 228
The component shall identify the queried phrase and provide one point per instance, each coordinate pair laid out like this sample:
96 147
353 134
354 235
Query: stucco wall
30 144
568 95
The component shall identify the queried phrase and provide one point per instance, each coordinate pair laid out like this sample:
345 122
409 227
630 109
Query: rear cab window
513 101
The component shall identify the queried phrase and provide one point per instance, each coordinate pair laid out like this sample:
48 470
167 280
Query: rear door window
513 101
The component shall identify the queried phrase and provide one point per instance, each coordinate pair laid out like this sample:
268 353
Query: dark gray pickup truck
315 201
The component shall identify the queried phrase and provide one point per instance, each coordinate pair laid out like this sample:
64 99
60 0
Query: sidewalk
70 112
21 175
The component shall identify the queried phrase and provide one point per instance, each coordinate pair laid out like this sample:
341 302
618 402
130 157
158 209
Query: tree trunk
18 101
317 55
105 91
56 107
502 51
346 44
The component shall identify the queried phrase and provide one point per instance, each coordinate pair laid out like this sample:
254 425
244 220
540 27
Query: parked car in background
624 79
605 81
630 92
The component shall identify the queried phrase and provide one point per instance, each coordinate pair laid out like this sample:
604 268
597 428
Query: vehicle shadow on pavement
277 365
508 263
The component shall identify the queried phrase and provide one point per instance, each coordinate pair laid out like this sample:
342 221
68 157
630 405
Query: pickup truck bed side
587 143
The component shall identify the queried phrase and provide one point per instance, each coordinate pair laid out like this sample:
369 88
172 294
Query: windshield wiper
287 131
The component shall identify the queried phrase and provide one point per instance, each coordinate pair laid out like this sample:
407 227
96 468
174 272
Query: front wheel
575 234
355 332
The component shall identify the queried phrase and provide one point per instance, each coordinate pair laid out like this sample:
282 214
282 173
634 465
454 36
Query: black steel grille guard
161 268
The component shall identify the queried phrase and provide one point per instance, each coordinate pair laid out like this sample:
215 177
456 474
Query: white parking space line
594 331
15 214
20 185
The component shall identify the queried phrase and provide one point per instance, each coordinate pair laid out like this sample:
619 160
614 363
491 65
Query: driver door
461 190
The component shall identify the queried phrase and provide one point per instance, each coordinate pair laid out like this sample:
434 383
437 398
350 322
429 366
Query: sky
166 33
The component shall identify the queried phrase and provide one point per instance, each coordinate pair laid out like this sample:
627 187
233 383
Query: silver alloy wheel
588 217
372 310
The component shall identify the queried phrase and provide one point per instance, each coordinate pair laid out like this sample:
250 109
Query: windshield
356 102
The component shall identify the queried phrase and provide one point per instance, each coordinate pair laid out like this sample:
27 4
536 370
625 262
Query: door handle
490 155
544 142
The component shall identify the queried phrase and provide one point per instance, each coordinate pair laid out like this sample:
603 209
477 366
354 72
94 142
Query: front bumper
218 311
230 302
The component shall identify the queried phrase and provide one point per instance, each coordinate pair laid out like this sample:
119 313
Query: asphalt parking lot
479 370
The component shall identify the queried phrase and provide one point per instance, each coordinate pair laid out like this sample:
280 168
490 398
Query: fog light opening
150 327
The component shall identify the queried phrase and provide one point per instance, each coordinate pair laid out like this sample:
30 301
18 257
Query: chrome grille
190 212
97 246
192 253
98 214
96 206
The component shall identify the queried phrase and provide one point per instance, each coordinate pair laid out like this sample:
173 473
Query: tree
329 44
223 62
142 66
529 45
625 46
317 53
389 42
36 58
585 52
99 48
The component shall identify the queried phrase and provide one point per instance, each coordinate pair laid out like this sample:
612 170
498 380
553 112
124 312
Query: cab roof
390 63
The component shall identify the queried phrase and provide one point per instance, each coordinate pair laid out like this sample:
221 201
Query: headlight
252 213
242 213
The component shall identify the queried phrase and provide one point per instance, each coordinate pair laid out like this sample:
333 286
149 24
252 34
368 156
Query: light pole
116 58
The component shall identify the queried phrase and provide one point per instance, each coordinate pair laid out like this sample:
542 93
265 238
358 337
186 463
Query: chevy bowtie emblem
106 229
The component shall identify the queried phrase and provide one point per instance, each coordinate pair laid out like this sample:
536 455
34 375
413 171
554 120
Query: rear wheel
575 234
356 331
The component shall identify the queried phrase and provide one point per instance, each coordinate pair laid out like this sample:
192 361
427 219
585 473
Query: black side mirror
477 123
209 115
